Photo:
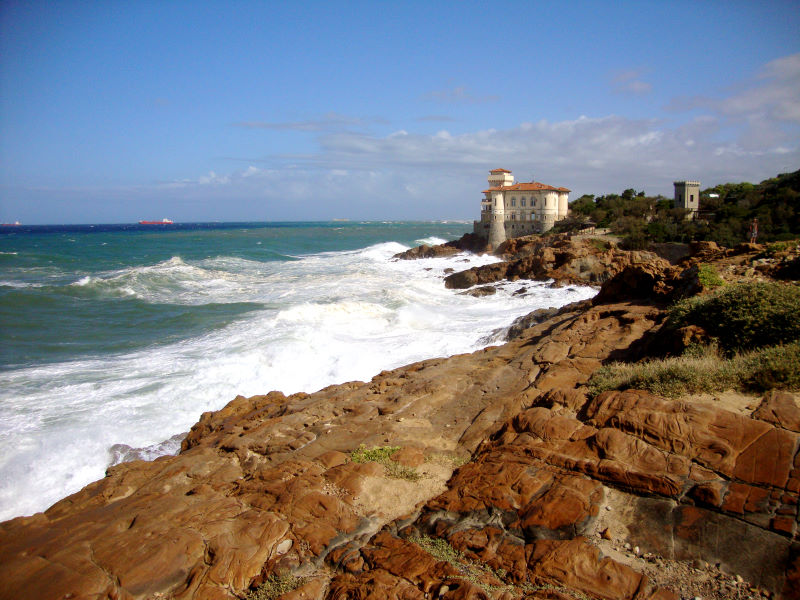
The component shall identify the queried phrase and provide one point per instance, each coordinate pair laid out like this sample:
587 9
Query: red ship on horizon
164 221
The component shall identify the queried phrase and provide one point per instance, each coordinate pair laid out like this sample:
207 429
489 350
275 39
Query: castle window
522 201
513 201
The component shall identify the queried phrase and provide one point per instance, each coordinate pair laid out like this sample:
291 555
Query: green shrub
708 277
601 245
775 248
744 316
776 367
636 240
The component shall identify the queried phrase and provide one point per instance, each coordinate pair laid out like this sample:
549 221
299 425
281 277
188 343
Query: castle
511 209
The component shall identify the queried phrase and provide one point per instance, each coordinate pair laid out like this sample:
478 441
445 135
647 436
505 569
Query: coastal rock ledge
508 480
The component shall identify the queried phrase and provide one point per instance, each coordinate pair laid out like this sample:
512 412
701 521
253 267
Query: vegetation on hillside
755 345
726 212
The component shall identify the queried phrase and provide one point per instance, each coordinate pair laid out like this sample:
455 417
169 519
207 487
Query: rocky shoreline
507 479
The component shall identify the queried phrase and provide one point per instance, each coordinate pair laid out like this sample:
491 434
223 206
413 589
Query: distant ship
164 221
14 224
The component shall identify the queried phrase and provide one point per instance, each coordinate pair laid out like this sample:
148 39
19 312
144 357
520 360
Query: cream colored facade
511 209
687 196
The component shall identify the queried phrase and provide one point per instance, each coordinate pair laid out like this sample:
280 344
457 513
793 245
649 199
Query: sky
116 111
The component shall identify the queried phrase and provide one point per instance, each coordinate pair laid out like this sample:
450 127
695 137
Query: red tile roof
533 186
499 171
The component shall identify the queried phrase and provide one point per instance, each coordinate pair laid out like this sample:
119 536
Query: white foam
430 241
327 318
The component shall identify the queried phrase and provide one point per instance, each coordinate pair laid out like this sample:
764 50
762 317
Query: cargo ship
164 221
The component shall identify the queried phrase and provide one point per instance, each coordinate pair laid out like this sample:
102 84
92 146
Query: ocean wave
174 282
121 453
21 284
430 241
322 319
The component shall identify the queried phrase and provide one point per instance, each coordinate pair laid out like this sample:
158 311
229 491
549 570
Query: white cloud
748 135
630 82
776 95
213 179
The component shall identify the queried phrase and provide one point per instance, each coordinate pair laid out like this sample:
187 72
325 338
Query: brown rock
780 408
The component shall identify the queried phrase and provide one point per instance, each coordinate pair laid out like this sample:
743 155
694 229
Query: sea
115 338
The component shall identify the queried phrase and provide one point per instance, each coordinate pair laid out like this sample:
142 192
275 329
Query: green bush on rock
744 316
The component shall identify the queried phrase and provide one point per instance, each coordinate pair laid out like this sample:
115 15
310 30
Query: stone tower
687 196
497 226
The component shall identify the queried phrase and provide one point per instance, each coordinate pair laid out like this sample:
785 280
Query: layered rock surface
526 485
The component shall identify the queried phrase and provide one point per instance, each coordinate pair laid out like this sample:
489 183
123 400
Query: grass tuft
697 372
275 586
708 277
383 456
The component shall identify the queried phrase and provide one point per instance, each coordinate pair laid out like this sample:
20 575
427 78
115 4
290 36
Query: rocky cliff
506 480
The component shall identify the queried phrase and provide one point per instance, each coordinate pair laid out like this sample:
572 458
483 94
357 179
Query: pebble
636 550
627 546
739 579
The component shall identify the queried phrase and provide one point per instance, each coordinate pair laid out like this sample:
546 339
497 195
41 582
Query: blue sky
119 111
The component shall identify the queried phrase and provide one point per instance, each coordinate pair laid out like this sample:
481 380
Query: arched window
513 201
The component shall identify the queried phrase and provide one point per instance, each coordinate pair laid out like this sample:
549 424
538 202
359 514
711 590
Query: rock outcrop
469 242
516 484
566 259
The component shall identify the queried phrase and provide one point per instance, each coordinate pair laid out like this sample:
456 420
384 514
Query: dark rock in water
520 324
469 242
486 290
426 251
520 291
449 270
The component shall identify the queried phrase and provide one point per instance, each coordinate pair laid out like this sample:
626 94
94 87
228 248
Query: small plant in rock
775 248
383 456
708 277
601 245
378 454
275 586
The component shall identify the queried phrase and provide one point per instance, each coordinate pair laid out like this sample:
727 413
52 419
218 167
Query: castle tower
497 226
687 196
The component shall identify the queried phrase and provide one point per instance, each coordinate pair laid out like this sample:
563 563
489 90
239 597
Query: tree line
726 214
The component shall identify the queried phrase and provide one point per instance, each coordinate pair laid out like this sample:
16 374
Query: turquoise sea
115 338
